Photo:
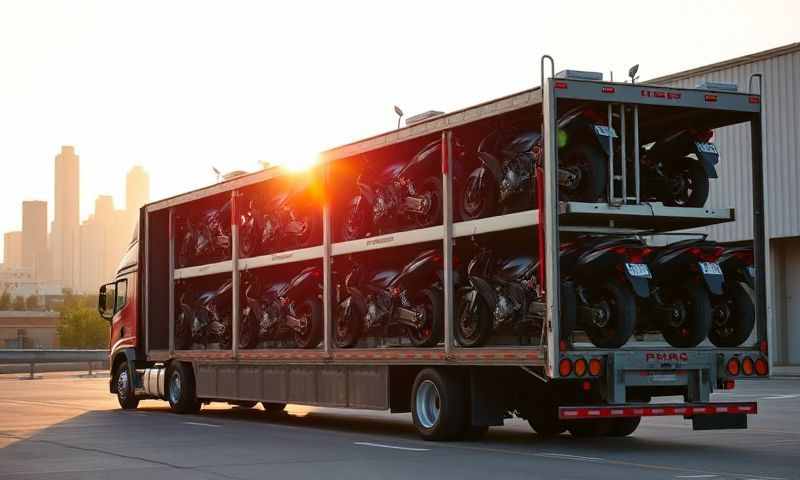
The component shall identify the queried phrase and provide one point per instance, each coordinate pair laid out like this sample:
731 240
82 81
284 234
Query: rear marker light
747 366
595 367
608 90
754 100
762 367
562 345
564 367
711 98
763 347
733 366
581 367
561 85
587 385
728 384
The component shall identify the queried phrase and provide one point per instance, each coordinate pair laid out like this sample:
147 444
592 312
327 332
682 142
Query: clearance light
587 385
754 100
562 345
763 347
595 367
747 366
564 367
561 85
580 367
762 367
728 384
733 366
711 98
608 90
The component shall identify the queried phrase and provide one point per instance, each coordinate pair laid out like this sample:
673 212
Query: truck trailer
493 262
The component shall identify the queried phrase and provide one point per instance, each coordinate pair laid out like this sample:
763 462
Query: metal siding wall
782 151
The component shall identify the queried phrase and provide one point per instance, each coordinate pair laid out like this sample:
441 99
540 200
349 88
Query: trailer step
685 410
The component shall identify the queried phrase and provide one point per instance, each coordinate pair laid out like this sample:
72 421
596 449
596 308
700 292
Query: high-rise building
137 193
66 223
12 250
34 237
103 240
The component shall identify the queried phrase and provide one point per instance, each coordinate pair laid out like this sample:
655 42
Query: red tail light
595 367
707 254
581 367
747 366
762 367
633 254
728 384
564 367
744 256
763 347
594 117
733 366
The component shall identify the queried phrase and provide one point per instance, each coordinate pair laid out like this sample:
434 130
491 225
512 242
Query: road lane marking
394 447
697 476
202 424
572 457
780 397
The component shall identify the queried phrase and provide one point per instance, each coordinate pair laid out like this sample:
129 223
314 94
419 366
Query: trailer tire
273 407
125 390
181 389
589 428
439 404
545 422
622 427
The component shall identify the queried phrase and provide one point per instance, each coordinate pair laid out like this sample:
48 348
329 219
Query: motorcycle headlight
563 138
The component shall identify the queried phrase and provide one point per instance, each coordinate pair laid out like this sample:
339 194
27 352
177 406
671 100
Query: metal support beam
447 242
327 280
760 239
549 111
623 153
171 283
636 152
235 273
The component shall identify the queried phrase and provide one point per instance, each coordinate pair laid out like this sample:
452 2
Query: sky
180 87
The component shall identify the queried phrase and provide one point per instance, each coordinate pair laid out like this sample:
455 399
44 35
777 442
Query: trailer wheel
273 407
125 389
615 326
438 405
181 391
693 321
734 316
622 427
589 428
429 303
544 421
312 333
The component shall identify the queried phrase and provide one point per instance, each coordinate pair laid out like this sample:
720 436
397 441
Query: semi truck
359 283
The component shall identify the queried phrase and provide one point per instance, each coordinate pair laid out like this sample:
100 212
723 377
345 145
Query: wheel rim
175 388
474 197
579 165
123 385
303 313
433 206
468 322
428 404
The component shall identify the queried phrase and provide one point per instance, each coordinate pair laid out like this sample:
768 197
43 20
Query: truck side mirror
105 301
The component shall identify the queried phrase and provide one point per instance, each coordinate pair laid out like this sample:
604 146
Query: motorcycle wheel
619 306
349 323
479 198
692 299
431 188
312 334
733 325
472 328
356 219
687 183
431 332
249 336
591 167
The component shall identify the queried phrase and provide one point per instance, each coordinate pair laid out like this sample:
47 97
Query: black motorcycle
734 313
204 238
289 221
384 298
398 194
609 274
687 277
504 292
281 310
676 169
505 178
204 321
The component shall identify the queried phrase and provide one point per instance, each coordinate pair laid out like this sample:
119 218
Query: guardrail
34 356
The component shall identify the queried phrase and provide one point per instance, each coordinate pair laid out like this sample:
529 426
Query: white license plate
663 377
638 270
752 271
605 131
707 147
710 268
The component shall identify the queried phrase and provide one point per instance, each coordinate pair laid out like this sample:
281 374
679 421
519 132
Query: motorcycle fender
714 283
492 164
707 159
640 285
601 134
484 289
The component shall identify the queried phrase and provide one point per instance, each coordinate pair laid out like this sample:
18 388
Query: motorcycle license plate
710 268
605 131
638 270
706 147
751 271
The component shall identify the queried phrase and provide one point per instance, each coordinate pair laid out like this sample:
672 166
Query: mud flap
706 153
714 283
724 421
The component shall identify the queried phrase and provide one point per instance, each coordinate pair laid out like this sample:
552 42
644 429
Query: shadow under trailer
494 262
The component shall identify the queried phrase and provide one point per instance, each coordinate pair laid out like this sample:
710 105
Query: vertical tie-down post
551 236
171 260
236 314
327 280
447 243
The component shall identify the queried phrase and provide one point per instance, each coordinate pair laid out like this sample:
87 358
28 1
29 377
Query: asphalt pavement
66 427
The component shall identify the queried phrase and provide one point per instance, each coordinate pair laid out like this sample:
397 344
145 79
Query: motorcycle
383 298
609 274
504 292
734 313
399 194
505 178
283 309
288 223
205 321
204 238
677 169
687 278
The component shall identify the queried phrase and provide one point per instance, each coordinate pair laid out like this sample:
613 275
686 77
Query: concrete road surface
65 427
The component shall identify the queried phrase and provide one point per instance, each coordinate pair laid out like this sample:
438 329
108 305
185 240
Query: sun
302 164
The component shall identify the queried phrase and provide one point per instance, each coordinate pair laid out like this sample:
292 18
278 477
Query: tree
18 303
32 302
81 326
5 301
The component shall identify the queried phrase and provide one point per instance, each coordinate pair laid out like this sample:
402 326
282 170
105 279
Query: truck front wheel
438 405
181 391
125 389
